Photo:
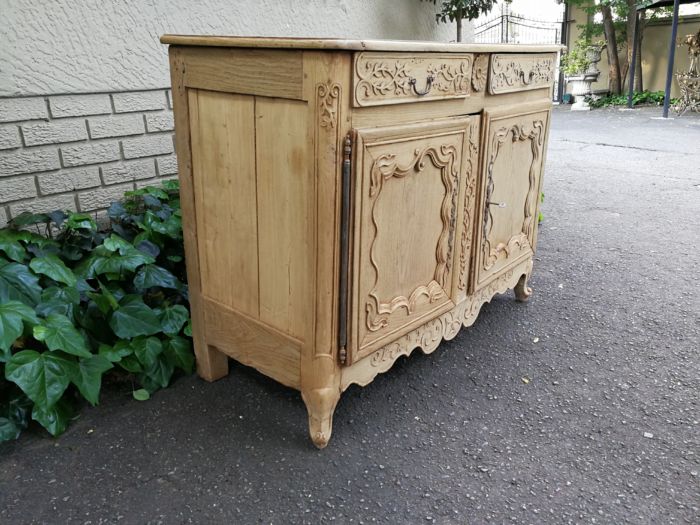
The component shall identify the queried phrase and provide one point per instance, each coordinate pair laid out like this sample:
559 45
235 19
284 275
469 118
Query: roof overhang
652 4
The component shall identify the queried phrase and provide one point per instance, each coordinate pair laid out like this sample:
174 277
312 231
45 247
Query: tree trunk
459 27
613 58
631 14
638 82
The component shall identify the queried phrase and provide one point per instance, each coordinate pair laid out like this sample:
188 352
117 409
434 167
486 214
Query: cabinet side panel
284 194
223 158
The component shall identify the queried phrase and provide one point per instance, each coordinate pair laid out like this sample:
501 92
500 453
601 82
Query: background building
655 44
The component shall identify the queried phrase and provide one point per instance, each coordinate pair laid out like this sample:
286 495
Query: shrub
638 97
79 302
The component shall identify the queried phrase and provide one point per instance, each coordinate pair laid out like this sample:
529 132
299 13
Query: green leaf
151 275
147 350
178 351
9 243
173 318
115 243
188 328
141 394
59 333
55 419
27 218
81 221
8 429
43 377
115 353
18 283
131 364
19 409
53 267
157 375
134 318
55 300
12 315
104 261
88 376
106 301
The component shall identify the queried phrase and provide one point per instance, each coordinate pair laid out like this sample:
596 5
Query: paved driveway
604 428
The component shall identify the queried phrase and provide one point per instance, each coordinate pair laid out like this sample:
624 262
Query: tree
618 28
458 10
615 82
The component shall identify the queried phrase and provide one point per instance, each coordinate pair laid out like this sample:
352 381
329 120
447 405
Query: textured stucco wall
82 46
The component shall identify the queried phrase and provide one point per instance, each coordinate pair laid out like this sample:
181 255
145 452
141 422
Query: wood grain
211 365
513 162
260 127
263 72
252 343
223 155
398 78
407 184
330 44
283 158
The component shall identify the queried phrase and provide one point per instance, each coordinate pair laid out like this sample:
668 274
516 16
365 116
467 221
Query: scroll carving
516 72
327 139
516 133
328 97
385 167
472 166
386 78
480 72
429 336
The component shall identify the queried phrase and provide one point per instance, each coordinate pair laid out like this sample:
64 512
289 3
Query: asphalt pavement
582 406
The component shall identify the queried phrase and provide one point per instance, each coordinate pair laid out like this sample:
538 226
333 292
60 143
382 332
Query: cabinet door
513 160
408 181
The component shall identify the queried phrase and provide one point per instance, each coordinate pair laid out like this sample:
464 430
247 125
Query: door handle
498 204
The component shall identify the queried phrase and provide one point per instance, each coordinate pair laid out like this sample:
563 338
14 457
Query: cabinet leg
320 404
522 291
211 364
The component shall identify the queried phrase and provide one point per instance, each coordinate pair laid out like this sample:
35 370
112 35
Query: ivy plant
78 302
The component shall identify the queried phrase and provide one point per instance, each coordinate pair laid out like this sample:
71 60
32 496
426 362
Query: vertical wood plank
283 157
223 155
211 364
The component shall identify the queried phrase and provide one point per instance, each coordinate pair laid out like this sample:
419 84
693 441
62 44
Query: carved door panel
408 182
513 160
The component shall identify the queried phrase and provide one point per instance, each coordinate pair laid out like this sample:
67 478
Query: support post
671 57
633 65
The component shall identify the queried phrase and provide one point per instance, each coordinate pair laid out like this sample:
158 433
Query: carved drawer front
514 147
408 181
521 72
396 78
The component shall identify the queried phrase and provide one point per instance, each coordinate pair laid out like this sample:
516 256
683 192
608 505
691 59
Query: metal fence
514 29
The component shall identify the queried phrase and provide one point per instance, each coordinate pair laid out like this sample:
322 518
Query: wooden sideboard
345 202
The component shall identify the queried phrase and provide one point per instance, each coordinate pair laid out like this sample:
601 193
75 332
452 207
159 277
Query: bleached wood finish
396 78
443 199
520 72
405 46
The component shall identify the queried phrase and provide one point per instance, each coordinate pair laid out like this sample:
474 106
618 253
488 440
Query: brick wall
80 152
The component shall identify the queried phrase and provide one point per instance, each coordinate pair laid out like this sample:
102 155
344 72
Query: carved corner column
327 91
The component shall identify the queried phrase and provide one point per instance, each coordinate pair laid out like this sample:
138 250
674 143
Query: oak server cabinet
345 202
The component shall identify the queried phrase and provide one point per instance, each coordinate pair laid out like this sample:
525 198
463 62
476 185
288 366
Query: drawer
512 72
398 78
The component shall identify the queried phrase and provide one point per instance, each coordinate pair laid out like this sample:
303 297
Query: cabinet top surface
414 46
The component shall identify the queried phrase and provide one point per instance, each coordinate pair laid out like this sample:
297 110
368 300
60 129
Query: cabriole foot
522 291
320 404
